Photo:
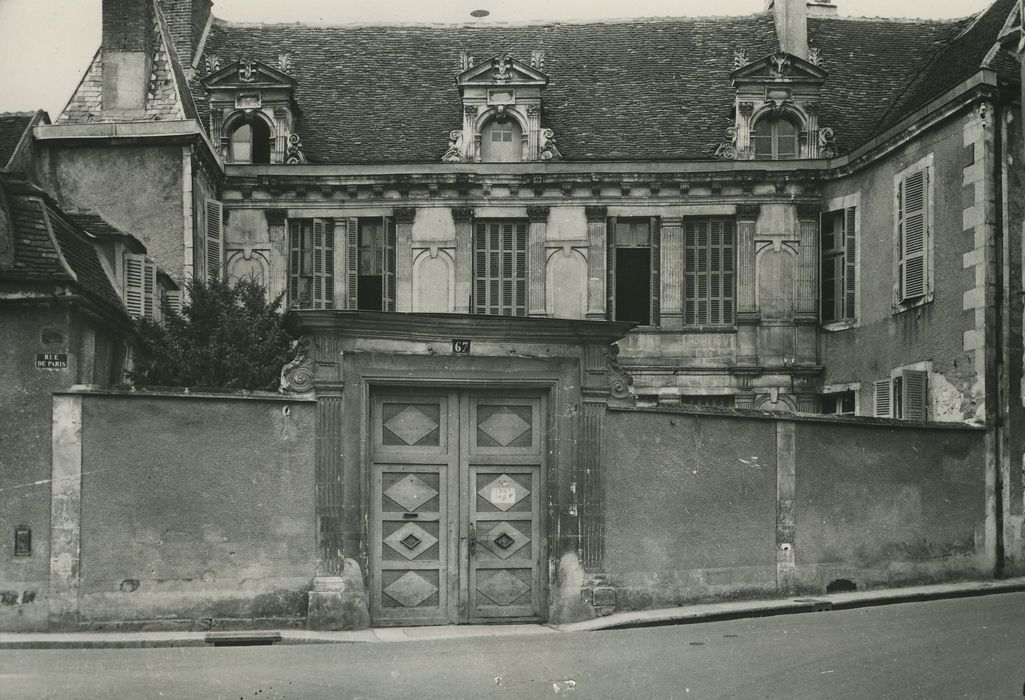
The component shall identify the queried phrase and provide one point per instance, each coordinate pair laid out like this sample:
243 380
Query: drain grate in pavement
242 639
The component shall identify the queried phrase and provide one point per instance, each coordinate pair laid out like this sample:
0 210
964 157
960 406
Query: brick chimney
792 22
187 21
127 53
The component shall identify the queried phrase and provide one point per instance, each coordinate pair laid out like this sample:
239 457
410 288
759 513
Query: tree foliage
227 336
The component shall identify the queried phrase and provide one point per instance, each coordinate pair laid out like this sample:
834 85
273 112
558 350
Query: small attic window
250 142
775 137
501 142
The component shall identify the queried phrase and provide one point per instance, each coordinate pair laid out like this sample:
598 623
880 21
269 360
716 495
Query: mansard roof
655 89
13 128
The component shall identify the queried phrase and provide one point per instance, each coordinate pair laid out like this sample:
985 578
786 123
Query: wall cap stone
181 393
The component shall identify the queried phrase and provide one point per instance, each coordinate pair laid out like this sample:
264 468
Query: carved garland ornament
297 375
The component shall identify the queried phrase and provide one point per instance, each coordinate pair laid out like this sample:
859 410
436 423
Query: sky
45 46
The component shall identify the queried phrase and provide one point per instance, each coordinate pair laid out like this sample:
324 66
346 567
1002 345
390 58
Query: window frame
924 165
483 285
254 124
774 119
321 276
838 389
686 298
850 205
654 247
905 394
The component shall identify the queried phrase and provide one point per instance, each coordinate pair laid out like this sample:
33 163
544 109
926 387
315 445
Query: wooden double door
457 481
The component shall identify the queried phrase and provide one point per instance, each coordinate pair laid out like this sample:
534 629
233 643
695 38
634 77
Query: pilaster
404 217
807 266
536 233
65 511
786 516
747 312
671 274
462 217
596 235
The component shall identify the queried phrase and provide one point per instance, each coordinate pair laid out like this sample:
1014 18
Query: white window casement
500 267
632 267
913 235
775 137
905 395
708 271
838 265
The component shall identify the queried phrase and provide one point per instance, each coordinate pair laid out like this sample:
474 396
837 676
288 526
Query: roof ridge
31 113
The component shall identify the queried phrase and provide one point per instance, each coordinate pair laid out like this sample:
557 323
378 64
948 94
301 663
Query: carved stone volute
297 374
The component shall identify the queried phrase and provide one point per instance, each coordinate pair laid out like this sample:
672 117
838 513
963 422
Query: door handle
472 544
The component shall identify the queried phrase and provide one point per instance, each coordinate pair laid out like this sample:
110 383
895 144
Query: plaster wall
882 340
138 188
197 512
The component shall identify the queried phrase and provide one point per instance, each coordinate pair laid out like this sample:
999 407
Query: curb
688 615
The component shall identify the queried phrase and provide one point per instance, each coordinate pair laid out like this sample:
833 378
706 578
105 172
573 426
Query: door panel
455 529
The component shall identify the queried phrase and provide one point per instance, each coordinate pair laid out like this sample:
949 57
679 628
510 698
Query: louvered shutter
849 270
151 309
610 269
726 268
173 297
915 395
388 265
655 243
480 270
882 399
135 284
329 264
214 238
518 302
318 264
913 234
352 263
294 262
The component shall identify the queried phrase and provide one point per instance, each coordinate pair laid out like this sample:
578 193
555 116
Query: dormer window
501 142
775 137
250 142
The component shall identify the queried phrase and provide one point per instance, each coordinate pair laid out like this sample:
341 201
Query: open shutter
352 263
388 265
916 395
151 309
610 269
849 271
882 399
173 297
655 243
329 263
913 236
214 239
480 269
318 264
294 262
135 284
519 300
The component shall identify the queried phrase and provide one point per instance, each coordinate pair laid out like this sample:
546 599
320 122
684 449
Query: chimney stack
792 22
187 21
127 53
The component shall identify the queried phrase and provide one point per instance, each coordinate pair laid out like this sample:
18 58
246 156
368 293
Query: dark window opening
633 285
250 143
371 269
838 403
897 397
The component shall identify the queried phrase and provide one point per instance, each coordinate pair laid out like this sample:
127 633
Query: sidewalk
669 616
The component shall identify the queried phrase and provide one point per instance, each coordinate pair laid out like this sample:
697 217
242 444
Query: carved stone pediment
502 69
779 67
248 73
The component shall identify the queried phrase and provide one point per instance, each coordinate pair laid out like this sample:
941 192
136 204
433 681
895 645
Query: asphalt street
963 648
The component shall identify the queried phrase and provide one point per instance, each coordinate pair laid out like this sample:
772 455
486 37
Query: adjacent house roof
50 247
13 128
654 89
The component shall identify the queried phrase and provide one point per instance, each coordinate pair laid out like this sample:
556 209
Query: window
500 268
776 138
633 270
501 142
913 244
370 263
250 142
708 265
311 264
839 403
837 279
904 396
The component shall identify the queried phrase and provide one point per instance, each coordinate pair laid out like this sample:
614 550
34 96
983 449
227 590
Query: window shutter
882 403
329 263
294 261
849 271
318 264
214 239
352 263
726 268
151 309
519 299
655 243
610 269
388 265
135 284
480 270
173 297
913 236
916 395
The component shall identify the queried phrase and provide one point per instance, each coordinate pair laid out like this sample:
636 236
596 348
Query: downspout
999 415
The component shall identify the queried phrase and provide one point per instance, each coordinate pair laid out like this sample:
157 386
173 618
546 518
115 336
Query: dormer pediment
247 73
501 70
779 67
